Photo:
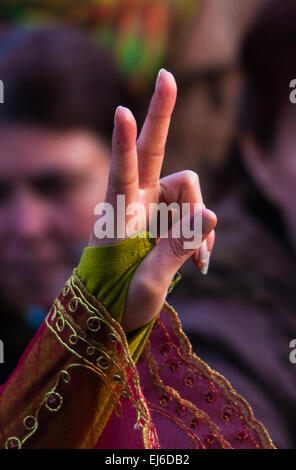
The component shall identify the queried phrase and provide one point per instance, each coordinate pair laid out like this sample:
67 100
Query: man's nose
30 215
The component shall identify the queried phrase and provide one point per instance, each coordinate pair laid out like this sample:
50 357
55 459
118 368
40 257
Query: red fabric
191 406
62 394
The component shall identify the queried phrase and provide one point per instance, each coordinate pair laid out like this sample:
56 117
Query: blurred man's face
50 183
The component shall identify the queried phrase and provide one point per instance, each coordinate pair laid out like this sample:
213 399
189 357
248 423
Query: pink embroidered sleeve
77 386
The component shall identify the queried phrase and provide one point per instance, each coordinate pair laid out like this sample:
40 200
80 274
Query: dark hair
59 78
268 59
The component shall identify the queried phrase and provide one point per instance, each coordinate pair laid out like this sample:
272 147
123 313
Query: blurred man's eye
54 186
5 191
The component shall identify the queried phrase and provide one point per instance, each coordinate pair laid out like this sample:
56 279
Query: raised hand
135 173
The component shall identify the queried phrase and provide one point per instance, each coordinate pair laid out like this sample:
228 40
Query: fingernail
158 78
205 267
116 113
204 252
204 257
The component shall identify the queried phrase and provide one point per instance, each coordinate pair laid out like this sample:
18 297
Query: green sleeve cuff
106 272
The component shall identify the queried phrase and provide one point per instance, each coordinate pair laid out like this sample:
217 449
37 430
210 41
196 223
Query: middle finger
152 139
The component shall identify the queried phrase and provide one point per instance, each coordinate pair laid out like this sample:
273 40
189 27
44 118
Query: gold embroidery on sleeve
117 371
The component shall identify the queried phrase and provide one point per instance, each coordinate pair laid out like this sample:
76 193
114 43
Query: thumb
151 280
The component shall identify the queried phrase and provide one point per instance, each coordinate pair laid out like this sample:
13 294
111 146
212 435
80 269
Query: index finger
123 176
153 136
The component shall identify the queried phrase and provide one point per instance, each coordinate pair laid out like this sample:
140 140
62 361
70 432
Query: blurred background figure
137 32
198 40
244 311
205 61
242 149
61 92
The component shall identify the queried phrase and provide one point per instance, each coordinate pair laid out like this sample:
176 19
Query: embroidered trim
134 393
196 414
110 360
120 375
247 415
195 439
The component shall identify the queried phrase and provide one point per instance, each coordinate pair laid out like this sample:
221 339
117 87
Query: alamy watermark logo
1 92
163 220
293 352
293 92
1 352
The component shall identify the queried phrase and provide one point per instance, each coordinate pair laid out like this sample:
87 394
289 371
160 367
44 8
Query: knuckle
151 151
119 179
191 178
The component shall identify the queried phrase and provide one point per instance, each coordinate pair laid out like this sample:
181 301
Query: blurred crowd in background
66 65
